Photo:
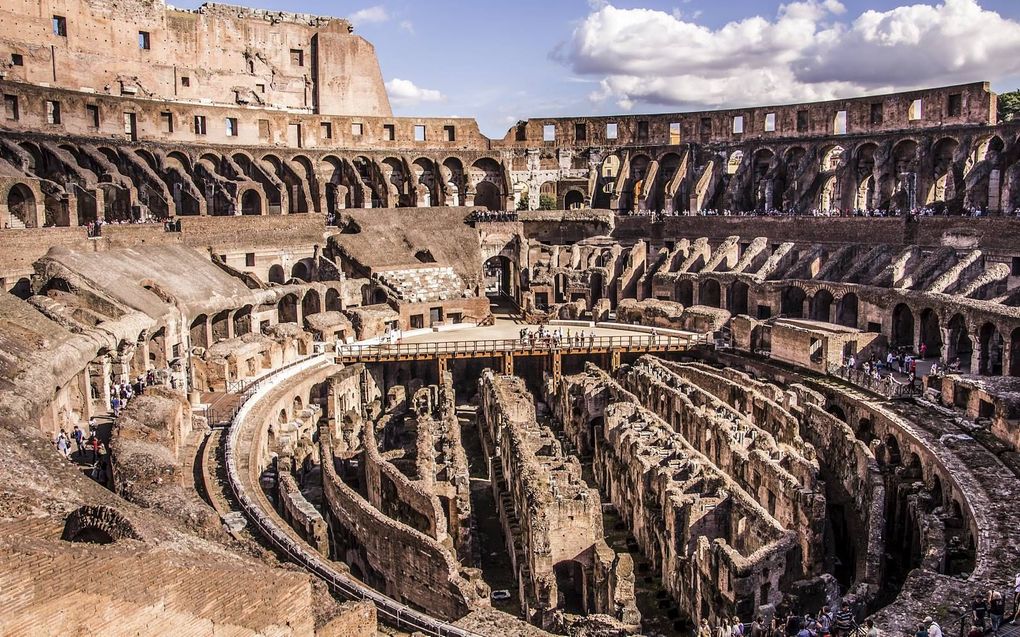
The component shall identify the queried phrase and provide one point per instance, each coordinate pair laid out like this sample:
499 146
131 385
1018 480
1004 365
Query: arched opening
737 297
199 331
685 292
865 431
221 326
487 196
498 271
990 363
846 310
242 321
960 345
931 333
287 309
937 495
333 303
837 411
277 274
301 271
792 302
710 293
251 203
297 406
573 200
902 326
21 206
570 586
821 305
311 303
892 450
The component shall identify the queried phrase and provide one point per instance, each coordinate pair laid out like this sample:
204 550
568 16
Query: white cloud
407 93
407 25
375 13
808 51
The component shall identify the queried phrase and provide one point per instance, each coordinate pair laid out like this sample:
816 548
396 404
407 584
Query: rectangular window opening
914 113
261 88
738 125
17 59
706 126
143 40
356 129
60 26
326 129
839 123
877 114
11 107
770 122
674 133
955 106
131 126
200 124
52 112
449 133
389 132
297 57
580 132
263 130
549 133
231 126
642 131
612 130
185 81
167 120
802 121
419 133
92 115
249 259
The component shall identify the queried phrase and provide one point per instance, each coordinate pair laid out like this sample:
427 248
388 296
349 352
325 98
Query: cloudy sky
500 61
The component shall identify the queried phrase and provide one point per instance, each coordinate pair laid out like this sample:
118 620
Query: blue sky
503 61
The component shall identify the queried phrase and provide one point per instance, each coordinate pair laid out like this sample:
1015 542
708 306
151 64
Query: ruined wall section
390 556
553 519
689 518
216 53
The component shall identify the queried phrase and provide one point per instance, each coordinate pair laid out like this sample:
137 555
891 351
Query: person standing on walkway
63 444
843 623
934 629
996 610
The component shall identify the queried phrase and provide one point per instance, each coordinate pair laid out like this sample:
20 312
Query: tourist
979 609
757 627
737 628
94 443
1016 599
704 630
922 630
923 350
976 631
825 621
873 631
996 610
115 405
807 627
77 435
934 629
63 446
843 622
793 624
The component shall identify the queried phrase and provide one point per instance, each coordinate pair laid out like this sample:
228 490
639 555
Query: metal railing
521 346
886 386
391 611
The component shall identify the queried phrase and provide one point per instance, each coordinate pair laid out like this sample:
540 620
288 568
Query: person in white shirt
934 630
1016 599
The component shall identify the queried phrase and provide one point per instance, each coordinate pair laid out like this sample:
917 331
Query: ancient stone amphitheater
343 378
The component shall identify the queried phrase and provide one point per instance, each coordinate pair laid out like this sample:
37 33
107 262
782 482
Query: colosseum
277 362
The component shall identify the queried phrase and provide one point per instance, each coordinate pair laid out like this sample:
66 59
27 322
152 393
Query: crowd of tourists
926 211
787 623
556 338
95 227
492 215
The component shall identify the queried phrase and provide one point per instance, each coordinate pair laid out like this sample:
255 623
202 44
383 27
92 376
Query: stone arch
487 196
277 274
959 343
242 321
298 405
892 450
499 280
573 199
847 310
303 269
199 331
832 158
792 302
902 328
685 292
733 162
710 293
425 182
287 309
829 195
221 326
251 202
311 303
992 349
570 586
737 297
98 524
21 206
931 332
943 185
821 305
333 302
